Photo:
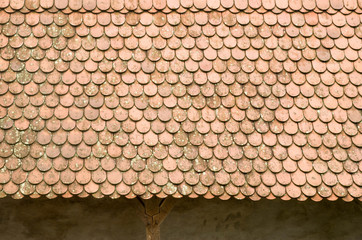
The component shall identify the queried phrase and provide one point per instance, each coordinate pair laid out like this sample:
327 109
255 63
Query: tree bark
153 232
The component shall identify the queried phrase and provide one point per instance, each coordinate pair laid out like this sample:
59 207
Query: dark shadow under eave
191 219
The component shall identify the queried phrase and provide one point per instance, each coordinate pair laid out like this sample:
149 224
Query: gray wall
106 219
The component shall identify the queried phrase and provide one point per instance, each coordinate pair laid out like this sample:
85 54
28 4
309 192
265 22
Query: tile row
180 5
209 179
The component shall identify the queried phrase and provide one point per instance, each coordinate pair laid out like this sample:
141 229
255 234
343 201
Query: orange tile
232 101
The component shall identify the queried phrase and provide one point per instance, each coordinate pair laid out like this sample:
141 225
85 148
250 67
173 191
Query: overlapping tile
258 99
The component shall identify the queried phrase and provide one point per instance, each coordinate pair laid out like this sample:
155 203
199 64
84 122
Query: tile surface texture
216 98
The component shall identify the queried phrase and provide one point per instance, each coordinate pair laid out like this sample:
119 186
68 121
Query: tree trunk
153 232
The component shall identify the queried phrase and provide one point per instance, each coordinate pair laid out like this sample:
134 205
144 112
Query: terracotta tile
309 112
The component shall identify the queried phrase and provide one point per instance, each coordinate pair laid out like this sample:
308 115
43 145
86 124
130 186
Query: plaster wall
191 219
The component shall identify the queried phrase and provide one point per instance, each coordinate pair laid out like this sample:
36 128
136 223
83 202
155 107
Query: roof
181 98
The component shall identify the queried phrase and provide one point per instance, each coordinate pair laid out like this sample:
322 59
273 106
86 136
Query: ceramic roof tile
216 98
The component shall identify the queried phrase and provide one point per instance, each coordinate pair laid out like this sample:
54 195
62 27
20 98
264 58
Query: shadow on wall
191 219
